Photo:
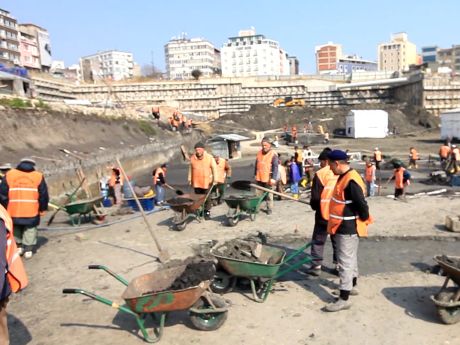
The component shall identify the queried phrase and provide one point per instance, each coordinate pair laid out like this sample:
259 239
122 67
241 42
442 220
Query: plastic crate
148 204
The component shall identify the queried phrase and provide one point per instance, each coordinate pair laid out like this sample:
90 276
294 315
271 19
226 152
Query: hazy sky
83 27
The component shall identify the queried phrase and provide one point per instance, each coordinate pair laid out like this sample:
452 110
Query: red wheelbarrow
146 295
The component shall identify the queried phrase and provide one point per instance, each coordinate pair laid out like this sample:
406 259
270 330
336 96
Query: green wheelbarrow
81 209
262 274
207 311
244 204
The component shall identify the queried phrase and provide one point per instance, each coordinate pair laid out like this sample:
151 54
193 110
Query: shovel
178 191
163 255
245 185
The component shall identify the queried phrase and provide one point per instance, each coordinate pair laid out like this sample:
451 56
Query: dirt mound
194 274
239 250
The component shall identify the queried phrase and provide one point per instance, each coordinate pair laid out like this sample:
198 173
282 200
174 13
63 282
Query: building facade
293 65
429 54
42 38
327 56
398 54
185 55
250 54
9 39
450 58
28 49
107 65
351 64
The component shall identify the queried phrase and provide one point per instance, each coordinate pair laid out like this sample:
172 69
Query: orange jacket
202 170
222 170
413 154
338 202
377 156
16 273
156 177
369 173
328 179
116 178
264 166
444 151
399 177
23 193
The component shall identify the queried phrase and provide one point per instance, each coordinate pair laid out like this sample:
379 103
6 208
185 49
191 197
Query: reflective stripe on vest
338 202
15 272
23 193
328 180
264 166
201 171
220 171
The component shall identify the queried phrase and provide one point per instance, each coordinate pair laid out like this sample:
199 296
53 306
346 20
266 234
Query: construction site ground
396 282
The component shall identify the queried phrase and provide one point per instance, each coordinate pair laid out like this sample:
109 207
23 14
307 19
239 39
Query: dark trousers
399 192
208 203
319 238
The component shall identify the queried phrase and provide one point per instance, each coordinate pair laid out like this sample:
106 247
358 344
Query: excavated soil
238 250
194 274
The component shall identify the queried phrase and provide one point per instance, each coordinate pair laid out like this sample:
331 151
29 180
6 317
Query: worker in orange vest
156 113
455 159
13 277
266 171
223 173
369 177
24 194
444 153
402 179
377 158
348 220
159 180
322 187
116 184
202 174
413 158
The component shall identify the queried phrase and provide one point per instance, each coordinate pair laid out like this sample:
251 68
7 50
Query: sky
83 27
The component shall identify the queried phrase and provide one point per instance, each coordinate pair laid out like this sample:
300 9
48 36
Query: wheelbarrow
244 204
187 207
81 209
447 300
207 311
262 272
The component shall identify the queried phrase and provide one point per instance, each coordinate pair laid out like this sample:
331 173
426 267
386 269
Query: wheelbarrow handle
96 267
109 271
71 291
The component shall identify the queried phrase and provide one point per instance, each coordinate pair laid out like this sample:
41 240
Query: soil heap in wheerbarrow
194 274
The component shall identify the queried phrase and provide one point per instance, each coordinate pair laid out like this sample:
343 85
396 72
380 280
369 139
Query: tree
196 73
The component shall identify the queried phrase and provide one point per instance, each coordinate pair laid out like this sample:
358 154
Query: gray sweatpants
347 257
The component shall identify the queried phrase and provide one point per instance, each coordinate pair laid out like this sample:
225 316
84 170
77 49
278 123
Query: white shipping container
450 124
366 124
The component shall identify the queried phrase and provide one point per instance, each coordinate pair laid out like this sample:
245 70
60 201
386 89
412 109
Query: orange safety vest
23 193
399 177
328 179
201 171
113 179
369 173
444 151
377 156
156 177
220 171
264 166
413 154
299 156
15 271
338 202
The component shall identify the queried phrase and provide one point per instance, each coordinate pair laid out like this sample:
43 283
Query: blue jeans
160 193
295 188
370 186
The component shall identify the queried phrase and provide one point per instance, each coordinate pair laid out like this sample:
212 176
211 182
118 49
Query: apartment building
429 54
293 65
251 54
353 63
43 40
9 39
29 51
183 55
107 65
327 56
398 54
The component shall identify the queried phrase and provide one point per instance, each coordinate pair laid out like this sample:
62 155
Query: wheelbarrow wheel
232 221
208 321
222 282
448 315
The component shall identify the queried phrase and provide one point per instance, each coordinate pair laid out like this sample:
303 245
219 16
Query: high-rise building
9 39
107 65
327 56
429 54
184 55
293 65
250 54
28 49
398 54
43 41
